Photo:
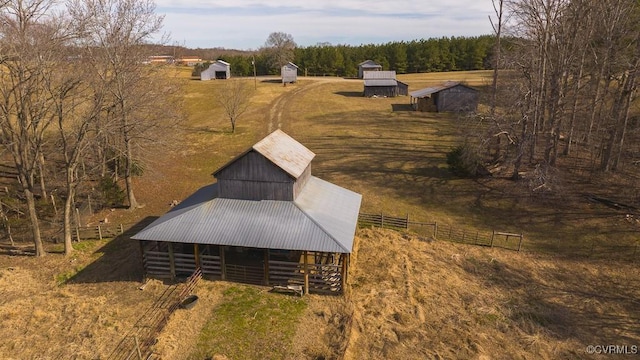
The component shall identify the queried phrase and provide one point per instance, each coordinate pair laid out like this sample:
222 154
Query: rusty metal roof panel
285 152
322 219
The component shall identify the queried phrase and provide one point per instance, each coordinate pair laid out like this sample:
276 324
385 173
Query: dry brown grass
409 299
416 299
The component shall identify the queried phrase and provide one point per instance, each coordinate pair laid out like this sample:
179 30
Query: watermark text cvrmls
613 349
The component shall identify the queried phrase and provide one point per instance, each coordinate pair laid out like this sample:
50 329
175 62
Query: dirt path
282 102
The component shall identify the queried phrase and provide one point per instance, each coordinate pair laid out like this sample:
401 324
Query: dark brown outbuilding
450 96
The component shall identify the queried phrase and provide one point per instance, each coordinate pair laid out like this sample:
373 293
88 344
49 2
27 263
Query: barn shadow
272 81
120 259
349 93
401 107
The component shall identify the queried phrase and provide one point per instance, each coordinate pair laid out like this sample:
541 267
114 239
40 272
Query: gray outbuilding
289 73
217 70
368 65
383 84
450 96
265 221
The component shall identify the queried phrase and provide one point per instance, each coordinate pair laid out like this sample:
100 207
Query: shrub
463 161
112 195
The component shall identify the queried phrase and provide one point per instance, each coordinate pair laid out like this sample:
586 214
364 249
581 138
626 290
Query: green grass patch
250 324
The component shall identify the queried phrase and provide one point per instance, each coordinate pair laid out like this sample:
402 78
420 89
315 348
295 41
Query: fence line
138 343
494 238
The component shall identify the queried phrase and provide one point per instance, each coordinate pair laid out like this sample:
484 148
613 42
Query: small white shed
289 73
217 70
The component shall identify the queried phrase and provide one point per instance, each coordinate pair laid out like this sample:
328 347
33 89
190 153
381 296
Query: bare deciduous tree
30 37
234 96
279 49
115 34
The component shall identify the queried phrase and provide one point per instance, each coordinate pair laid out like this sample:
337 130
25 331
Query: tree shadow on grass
563 304
120 259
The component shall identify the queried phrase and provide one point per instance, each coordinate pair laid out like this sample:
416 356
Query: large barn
368 65
289 73
265 221
450 96
217 70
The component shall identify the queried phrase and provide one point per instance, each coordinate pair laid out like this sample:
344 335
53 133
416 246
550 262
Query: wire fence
499 239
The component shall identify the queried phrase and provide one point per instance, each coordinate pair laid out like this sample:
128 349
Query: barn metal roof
322 218
291 65
434 89
283 151
391 74
380 82
370 63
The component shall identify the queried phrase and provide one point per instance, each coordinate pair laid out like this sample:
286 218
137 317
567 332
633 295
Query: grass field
408 298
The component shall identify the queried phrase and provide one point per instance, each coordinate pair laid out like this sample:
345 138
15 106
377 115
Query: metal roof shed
368 65
266 221
450 96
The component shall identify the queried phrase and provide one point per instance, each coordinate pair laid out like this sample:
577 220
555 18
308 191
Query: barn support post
172 263
144 265
266 266
196 254
223 266
306 272
345 268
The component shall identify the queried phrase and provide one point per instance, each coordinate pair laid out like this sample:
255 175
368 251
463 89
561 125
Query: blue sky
246 24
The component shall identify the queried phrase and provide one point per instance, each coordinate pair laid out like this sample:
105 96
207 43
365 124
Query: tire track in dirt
279 105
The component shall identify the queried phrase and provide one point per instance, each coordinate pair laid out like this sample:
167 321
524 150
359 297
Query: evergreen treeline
425 55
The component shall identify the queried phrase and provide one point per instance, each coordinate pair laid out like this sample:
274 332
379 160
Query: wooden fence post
121 229
99 232
520 243
493 234
435 230
135 338
381 220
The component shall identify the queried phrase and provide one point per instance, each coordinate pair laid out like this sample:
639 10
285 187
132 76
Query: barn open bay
407 298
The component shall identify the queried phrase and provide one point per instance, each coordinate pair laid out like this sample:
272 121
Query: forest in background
325 59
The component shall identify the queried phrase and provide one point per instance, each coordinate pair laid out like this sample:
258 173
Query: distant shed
383 84
289 73
217 70
403 88
380 87
368 65
450 96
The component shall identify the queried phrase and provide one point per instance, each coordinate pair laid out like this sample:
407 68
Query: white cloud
245 24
